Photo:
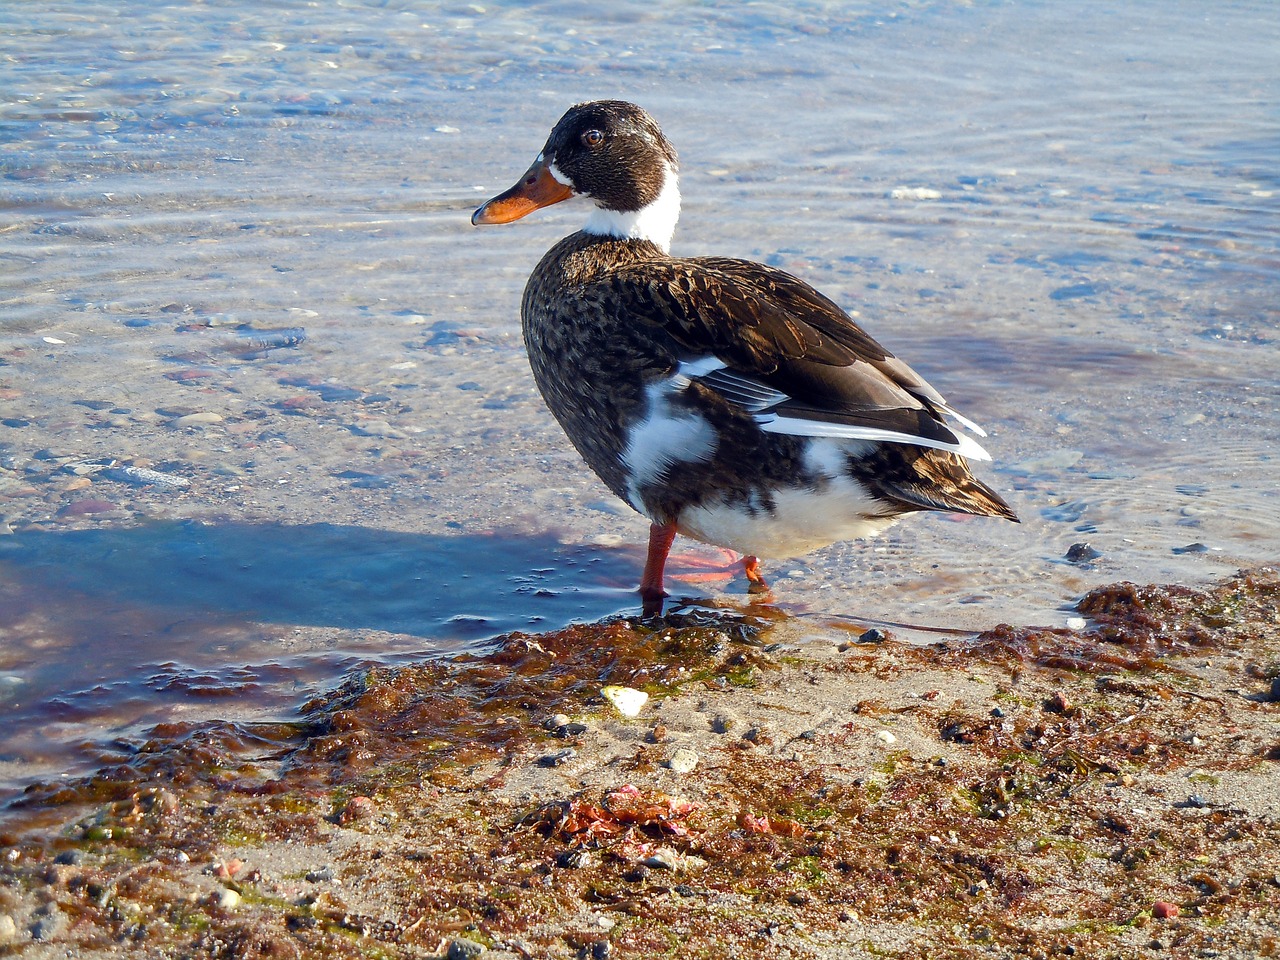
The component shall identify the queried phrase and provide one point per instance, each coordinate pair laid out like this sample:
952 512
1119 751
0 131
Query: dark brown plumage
723 399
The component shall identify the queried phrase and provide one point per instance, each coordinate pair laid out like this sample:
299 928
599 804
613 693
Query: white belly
802 520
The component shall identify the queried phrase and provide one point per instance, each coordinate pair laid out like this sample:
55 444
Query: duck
724 400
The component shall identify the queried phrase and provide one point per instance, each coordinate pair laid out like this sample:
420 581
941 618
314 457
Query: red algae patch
1107 792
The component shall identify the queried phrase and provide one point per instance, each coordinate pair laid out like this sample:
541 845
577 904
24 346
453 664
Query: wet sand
1106 792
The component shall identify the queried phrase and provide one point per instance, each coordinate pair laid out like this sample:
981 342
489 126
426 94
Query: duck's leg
756 582
661 536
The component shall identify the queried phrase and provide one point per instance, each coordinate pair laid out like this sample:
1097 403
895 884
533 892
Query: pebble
1082 553
463 949
321 875
1076 623
1075 291
142 477
885 737
49 923
379 428
228 899
558 758
8 929
626 700
204 419
1164 910
576 859
683 760
664 858
1275 690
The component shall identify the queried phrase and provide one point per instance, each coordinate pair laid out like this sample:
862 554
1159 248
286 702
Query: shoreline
1110 791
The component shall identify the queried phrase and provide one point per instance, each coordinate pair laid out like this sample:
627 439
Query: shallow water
1065 216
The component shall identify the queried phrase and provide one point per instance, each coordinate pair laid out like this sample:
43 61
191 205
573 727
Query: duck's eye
593 138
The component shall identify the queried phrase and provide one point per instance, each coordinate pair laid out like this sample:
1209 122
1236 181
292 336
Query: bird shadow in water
457 590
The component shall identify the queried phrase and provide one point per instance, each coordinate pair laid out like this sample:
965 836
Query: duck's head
612 153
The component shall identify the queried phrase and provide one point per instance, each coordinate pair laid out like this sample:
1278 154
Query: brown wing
826 375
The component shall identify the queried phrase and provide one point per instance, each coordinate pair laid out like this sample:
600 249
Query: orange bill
537 188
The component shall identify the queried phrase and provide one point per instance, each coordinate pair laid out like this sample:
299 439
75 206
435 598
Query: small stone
320 875
463 949
626 700
575 859
203 419
228 899
555 721
1164 910
142 477
49 923
885 737
1192 548
1058 704
1076 623
658 733
379 428
559 758
683 760
662 859
1274 695
8 929
1082 553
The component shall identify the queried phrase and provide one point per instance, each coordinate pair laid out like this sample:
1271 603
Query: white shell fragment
683 760
626 700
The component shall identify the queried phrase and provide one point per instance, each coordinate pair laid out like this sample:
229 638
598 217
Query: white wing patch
666 436
799 427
